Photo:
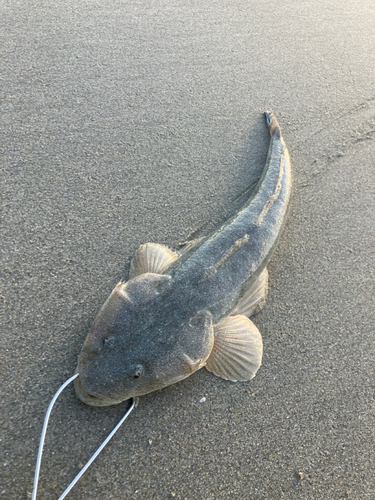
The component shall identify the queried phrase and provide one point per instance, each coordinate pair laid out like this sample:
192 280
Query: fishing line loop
42 438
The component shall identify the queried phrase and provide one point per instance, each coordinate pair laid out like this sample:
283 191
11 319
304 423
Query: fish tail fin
273 124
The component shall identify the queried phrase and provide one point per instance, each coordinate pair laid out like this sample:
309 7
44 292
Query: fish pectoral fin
151 258
255 298
237 351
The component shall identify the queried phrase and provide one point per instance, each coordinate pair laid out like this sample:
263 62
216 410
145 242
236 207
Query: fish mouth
88 398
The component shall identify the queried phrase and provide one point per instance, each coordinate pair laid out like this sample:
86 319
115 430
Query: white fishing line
42 438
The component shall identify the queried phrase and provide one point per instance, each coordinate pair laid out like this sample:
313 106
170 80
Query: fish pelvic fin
237 351
255 298
151 258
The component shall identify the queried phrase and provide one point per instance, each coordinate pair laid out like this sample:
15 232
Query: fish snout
94 398
85 397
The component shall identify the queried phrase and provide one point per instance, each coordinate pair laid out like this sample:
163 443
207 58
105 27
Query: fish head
136 347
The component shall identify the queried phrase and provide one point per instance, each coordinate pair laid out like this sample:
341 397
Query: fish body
181 311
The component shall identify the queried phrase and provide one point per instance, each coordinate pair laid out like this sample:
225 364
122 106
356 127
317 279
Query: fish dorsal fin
255 298
237 351
151 258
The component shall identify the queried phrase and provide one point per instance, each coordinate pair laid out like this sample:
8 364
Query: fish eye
136 371
109 342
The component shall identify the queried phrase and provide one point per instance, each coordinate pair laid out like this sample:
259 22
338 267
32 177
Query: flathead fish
181 311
